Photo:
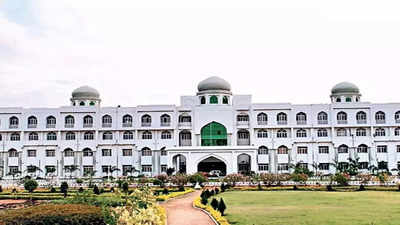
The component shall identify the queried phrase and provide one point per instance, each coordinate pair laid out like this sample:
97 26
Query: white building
213 130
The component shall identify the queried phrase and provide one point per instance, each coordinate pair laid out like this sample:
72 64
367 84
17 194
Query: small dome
214 83
346 88
85 92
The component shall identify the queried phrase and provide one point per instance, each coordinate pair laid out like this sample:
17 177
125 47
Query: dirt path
180 211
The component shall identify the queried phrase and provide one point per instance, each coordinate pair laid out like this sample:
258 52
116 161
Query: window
263 167
128 135
146 121
338 99
342 118
262 119
323 149
12 153
382 165
33 136
50 153
1 137
381 148
302 150
51 122
283 166
263 150
166 135
380 117
343 149
362 149
88 121
69 121
163 152
363 165
107 135
202 100
69 136
348 99
126 152
68 152
147 168
82 103
281 118
13 169
341 132
380 132
301 133
107 121
51 136
361 132
87 170
262 134
105 169
15 137
243 137
281 133
146 152
397 131
32 122
243 118
14 121
185 118
165 120
126 169
185 138
343 166
92 103
213 99
323 166
225 100
361 117
106 152
397 117
322 118
127 121
398 148
89 135
87 152
163 168
50 169
301 118
283 150
147 135
31 169
322 133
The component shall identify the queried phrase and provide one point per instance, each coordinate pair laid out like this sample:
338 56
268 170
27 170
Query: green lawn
312 208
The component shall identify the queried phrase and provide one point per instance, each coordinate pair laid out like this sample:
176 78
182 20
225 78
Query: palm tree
113 169
91 174
373 169
70 169
50 171
32 170
14 174
354 165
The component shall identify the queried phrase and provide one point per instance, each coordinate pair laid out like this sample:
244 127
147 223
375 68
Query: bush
197 178
96 190
214 203
54 214
329 188
216 191
204 200
1 189
64 188
165 191
30 185
80 189
362 188
221 206
125 187
342 179
222 187
53 190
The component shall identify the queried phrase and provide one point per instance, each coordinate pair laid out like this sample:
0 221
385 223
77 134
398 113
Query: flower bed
162 198
214 213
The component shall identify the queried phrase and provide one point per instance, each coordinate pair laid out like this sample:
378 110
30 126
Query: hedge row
161 198
71 214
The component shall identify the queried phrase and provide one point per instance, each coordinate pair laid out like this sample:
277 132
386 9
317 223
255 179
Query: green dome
345 88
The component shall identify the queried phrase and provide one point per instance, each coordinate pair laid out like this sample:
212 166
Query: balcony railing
397 120
322 121
185 142
107 125
146 124
13 126
262 122
361 121
282 122
69 125
301 122
87 125
342 121
243 123
380 121
50 125
185 124
242 142
127 124
32 125
165 124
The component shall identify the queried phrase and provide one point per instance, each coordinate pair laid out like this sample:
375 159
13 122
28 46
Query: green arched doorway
214 134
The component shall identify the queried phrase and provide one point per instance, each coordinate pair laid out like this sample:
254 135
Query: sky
153 52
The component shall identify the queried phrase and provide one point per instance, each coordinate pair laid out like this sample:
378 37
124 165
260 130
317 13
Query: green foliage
53 190
125 187
342 179
197 178
299 177
170 171
80 189
30 185
64 188
79 181
214 203
299 169
204 200
165 191
221 207
96 190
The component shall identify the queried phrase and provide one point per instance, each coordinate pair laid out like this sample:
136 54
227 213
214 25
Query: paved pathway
180 211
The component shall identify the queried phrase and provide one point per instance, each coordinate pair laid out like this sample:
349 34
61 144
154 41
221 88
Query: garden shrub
362 188
214 213
64 188
125 187
214 203
329 188
53 190
30 185
216 191
221 206
342 179
96 190
165 191
197 178
1 189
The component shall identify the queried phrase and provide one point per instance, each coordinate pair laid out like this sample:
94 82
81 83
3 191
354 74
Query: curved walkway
180 211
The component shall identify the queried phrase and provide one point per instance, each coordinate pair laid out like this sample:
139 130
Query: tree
197 178
64 188
214 203
30 185
125 187
71 169
300 169
32 170
221 207
354 165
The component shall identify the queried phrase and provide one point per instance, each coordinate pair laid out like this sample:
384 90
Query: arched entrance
179 163
213 165
244 163
214 134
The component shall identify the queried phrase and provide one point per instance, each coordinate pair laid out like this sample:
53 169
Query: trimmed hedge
70 214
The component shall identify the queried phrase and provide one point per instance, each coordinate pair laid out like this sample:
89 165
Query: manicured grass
312 208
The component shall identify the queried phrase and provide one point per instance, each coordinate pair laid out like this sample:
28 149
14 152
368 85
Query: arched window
262 119
69 136
128 135
33 136
127 121
322 118
362 149
361 117
242 118
163 151
68 152
15 137
82 103
107 135
51 136
380 117
301 118
341 132
283 150
281 133
185 138
262 134
69 121
92 103
51 122
380 132
203 100
87 152
243 137
147 135
397 131
107 121
301 133
214 134
281 118
213 99
165 120
225 100
89 135
397 117
1 137
12 153
166 135
348 99
361 132
32 122
87 121
185 119
322 132
262 150
343 149
342 118
146 152
14 122
146 120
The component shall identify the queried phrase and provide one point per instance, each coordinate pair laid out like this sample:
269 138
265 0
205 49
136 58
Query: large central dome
85 92
214 83
345 87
